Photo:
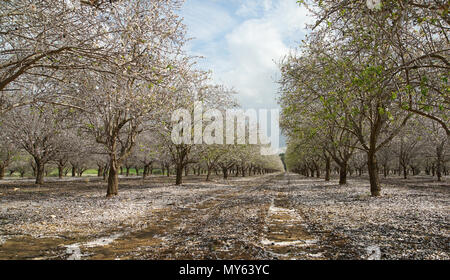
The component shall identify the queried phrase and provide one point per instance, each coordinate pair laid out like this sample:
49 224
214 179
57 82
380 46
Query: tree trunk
225 173
105 171
73 171
100 171
2 172
113 179
40 170
375 188
179 179
60 171
343 174
144 174
33 168
208 173
439 152
327 169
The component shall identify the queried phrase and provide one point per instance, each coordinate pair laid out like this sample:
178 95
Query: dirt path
279 216
240 222
285 235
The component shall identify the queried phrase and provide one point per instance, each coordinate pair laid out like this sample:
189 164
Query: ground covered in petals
275 216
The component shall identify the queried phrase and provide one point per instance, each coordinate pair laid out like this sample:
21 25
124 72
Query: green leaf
389 114
394 95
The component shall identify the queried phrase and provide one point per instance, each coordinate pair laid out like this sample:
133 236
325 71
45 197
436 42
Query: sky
241 42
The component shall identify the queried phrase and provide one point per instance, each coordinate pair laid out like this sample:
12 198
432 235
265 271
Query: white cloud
243 40
252 47
256 45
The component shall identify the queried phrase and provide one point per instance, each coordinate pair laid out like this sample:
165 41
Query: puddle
298 243
30 248
74 250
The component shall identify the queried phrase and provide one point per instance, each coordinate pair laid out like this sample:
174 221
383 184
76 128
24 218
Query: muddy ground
277 216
